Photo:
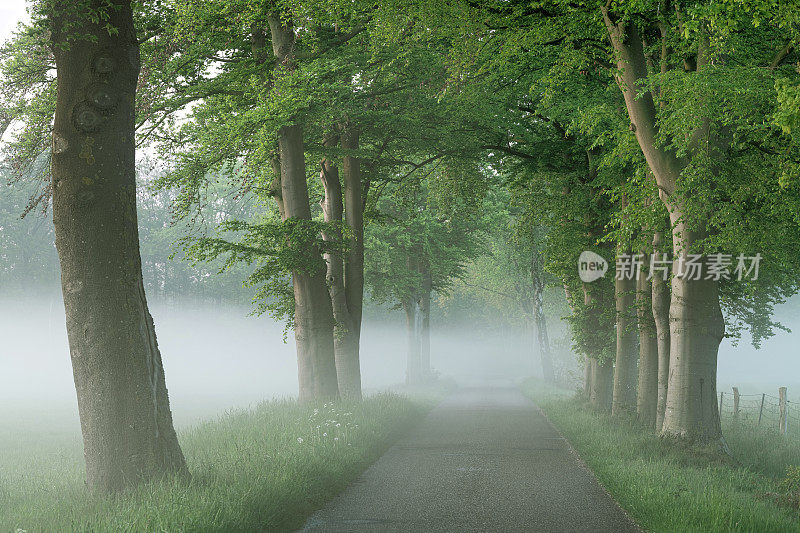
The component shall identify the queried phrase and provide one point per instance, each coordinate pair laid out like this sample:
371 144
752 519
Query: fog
218 357
775 363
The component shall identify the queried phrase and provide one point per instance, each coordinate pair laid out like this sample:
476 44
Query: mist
219 357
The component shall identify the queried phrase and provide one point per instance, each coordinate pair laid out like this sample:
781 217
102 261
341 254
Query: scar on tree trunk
126 422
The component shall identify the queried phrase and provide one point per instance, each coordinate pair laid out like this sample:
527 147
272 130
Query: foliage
277 248
421 233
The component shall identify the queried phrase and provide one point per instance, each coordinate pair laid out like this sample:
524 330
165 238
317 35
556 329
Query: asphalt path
485 459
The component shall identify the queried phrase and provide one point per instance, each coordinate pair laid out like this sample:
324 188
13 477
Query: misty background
218 357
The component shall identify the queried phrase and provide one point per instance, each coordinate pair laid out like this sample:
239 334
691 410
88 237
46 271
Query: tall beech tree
696 323
703 146
313 311
328 83
345 275
125 415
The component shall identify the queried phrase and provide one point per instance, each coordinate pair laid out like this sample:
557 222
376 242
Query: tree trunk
587 378
624 400
543 342
602 385
313 313
413 366
696 323
696 329
353 264
346 333
602 370
587 367
647 394
661 298
126 422
425 327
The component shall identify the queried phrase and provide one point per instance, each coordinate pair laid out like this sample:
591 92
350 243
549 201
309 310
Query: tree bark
696 323
602 385
696 329
313 315
624 400
425 326
542 340
602 370
345 331
125 415
647 393
587 378
587 363
660 303
353 264
413 366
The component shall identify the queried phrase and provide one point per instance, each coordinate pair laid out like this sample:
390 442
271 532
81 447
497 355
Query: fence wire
761 410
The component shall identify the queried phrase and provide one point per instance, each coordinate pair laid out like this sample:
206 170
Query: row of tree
416 129
236 98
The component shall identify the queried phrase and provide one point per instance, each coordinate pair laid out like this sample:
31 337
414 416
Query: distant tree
420 242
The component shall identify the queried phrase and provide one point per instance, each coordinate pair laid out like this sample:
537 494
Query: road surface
485 459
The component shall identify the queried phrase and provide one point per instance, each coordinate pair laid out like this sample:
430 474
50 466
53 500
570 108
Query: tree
125 416
313 312
699 136
345 275
420 245
700 145
624 397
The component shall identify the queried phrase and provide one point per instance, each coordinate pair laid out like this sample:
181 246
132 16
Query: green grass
668 487
264 469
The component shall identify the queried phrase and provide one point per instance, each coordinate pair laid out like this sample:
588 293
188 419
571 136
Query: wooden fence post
720 404
736 403
782 406
761 410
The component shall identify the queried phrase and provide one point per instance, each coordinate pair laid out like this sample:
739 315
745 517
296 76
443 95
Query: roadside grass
668 487
263 469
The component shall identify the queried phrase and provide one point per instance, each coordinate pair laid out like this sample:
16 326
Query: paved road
484 460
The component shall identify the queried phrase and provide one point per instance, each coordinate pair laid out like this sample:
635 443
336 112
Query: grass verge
668 487
264 469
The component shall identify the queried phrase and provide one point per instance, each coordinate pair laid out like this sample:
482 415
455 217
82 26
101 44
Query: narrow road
484 460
